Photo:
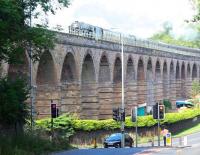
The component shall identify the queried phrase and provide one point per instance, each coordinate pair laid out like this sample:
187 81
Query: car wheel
105 146
116 145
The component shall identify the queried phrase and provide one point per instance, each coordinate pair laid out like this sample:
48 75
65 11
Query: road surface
192 148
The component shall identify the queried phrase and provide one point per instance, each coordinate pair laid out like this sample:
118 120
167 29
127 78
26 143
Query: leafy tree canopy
166 36
16 33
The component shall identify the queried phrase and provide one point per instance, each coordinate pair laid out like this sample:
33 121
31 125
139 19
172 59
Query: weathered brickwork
83 76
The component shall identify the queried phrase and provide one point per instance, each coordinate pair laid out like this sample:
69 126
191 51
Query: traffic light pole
136 134
52 128
158 126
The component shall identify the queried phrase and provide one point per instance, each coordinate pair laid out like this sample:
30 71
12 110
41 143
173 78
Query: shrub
70 124
62 125
13 106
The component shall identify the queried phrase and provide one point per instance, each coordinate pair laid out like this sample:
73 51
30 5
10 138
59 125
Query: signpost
134 115
168 139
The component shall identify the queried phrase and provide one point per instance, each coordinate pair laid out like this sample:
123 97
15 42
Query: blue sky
138 17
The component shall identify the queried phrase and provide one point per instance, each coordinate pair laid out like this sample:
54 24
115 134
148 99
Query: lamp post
122 106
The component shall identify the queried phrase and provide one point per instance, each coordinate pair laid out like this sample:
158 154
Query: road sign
168 139
134 114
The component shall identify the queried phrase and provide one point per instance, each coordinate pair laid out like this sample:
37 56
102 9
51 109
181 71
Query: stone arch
46 73
183 70
88 71
104 79
117 70
19 70
130 71
178 81
150 83
158 82
188 71
177 71
140 70
194 71
172 81
188 80
141 85
158 70
69 71
183 85
104 70
89 93
165 81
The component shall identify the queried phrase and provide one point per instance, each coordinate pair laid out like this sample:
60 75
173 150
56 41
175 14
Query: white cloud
138 17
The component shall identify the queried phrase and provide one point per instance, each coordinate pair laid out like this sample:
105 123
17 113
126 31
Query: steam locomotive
98 33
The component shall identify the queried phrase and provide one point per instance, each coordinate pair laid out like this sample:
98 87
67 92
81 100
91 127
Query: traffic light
134 114
116 114
161 111
53 110
155 111
158 111
123 116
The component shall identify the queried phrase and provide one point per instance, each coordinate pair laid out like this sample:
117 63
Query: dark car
114 140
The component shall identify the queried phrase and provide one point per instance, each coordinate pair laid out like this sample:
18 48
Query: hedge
70 124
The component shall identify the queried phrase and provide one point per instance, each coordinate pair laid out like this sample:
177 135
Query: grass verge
189 131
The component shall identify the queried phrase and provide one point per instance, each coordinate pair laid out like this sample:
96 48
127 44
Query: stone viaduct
83 75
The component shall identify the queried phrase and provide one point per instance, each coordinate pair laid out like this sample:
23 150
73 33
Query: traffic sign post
168 139
134 119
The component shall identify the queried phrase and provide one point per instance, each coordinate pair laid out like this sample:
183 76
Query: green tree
13 106
16 36
166 36
15 32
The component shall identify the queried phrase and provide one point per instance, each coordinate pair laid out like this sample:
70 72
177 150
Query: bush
70 125
13 106
30 144
62 125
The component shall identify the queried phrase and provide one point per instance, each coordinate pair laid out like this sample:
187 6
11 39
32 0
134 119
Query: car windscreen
114 137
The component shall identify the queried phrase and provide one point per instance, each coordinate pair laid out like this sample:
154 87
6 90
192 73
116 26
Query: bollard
152 142
180 141
185 140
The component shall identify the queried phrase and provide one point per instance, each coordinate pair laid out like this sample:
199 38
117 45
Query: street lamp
123 106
